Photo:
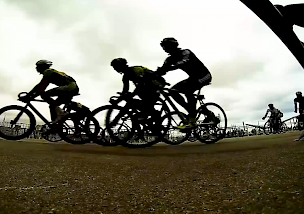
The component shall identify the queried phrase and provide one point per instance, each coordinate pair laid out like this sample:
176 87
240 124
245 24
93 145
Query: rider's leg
149 98
175 94
62 92
191 107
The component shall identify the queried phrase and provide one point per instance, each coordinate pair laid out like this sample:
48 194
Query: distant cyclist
299 99
67 88
275 117
199 76
144 79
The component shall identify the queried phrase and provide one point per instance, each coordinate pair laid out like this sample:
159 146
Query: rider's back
188 62
57 77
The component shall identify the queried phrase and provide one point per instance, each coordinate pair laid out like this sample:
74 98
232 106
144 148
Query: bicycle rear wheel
212 123
17 122
50 134
78 129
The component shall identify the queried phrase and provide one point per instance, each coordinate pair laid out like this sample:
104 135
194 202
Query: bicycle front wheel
212 123
17 122
120 124
49 134
267 128
78 129
174 135
103 138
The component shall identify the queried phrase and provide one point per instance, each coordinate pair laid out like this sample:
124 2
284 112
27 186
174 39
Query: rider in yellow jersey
67 88
145 81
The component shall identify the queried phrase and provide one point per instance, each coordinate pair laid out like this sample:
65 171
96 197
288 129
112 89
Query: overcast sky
250 66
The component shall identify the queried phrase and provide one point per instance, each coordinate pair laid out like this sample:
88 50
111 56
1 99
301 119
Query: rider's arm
126 84
266 113
167 66
185 59
39 88
170 65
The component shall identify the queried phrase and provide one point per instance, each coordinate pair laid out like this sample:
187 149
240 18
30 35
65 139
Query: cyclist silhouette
199 75
67 88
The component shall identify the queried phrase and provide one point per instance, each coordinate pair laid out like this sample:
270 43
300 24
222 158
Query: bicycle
210 118
128 123
78 127
207 131
274 126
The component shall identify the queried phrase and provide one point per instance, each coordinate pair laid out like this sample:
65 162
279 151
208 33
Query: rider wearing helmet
67 88
275 117
199 75
145 81
299 99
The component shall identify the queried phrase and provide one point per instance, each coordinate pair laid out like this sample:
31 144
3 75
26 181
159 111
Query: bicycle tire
267 128
209 134
174 136
28 131
120 124
76 129
149 131
49 135
103 138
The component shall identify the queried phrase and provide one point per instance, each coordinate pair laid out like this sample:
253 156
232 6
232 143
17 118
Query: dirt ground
260 174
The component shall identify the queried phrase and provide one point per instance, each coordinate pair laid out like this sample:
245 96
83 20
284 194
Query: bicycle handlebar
24 94
20 94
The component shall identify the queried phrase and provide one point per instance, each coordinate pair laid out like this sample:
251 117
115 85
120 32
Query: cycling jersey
137 74
57 77
274 113
186 60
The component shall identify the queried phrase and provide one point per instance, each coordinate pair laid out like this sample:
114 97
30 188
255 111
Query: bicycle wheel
103 138
78 129
17 122
50 134
149 131
150 127
173 135
267 128
212 123
120 124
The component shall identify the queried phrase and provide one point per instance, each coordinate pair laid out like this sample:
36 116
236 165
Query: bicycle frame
34 110
166 93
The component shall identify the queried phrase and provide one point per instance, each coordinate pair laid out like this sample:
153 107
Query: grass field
259 174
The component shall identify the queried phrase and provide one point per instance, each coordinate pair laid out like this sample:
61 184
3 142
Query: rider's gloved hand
25 99
160 71
263 118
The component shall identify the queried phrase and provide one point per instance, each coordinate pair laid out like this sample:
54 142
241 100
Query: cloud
228 73
250 65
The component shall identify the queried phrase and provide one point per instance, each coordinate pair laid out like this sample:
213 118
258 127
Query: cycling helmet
270 105
119 62
44 63
298 93
170 41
